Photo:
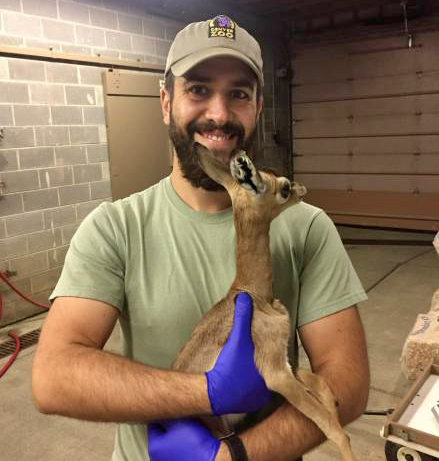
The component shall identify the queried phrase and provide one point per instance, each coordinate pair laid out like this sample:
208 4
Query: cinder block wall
53 146
53 150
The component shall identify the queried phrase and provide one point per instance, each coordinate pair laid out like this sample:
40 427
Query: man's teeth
217 138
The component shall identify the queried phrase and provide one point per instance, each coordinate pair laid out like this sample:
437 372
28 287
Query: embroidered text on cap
222 26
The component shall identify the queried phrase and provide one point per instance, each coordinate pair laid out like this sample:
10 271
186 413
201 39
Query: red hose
6 280
5 368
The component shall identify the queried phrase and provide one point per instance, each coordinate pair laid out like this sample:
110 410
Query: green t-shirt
163 265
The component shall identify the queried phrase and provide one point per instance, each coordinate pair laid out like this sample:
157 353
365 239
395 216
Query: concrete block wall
53 146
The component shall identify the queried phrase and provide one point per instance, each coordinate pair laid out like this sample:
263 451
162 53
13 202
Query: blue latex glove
234 384
181 440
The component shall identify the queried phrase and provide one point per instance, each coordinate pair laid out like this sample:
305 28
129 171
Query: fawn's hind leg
285 383
318 387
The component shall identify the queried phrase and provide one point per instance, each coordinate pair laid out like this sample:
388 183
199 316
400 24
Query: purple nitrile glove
234 384
183 439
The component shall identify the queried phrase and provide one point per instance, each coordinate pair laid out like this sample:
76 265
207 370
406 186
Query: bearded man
159 259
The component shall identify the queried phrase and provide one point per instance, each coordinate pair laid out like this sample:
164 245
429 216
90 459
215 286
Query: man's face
214 104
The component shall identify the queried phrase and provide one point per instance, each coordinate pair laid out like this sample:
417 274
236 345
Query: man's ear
165 101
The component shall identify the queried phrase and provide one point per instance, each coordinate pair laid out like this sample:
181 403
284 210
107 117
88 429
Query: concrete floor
388 316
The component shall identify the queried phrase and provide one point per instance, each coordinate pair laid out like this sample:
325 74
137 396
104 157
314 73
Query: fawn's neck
253 258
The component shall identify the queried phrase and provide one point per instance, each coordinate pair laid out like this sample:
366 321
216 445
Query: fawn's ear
215 169
245 173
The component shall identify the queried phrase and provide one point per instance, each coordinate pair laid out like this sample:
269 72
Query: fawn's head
258 193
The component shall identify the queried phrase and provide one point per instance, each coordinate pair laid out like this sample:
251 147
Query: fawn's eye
285 190
283 193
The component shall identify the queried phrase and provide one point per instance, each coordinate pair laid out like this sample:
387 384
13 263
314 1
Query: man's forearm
287 434
92 384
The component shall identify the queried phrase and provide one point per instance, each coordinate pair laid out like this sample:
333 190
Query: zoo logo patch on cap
222 26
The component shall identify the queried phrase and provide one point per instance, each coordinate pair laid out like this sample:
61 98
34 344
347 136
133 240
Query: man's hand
234 384
181 440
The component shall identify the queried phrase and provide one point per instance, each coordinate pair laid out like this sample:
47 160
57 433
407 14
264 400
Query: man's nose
218 109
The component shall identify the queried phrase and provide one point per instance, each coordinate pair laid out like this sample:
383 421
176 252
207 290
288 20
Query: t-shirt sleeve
328 281
93 267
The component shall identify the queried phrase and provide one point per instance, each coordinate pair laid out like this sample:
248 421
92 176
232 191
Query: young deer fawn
257 198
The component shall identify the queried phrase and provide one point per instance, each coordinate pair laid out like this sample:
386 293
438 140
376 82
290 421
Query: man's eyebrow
189 77
244 83
240 83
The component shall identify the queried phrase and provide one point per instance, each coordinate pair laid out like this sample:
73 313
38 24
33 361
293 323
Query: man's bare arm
74 377
336 348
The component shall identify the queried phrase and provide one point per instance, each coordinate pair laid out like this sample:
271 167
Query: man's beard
188 158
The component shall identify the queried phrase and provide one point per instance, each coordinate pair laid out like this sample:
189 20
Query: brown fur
253 213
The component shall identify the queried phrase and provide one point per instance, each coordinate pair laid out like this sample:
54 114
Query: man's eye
239 94
199 90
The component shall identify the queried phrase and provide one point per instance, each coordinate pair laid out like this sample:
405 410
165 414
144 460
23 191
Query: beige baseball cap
219 36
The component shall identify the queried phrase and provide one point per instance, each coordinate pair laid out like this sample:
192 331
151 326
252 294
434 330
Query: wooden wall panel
393 204
374 145
369 126
397 209
380 164
397 85
371 107
385 57
379 221
371 182
366 121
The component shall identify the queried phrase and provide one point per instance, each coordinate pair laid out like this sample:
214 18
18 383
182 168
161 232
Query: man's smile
216 139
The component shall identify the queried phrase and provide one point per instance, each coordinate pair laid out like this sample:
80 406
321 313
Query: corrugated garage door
366 130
